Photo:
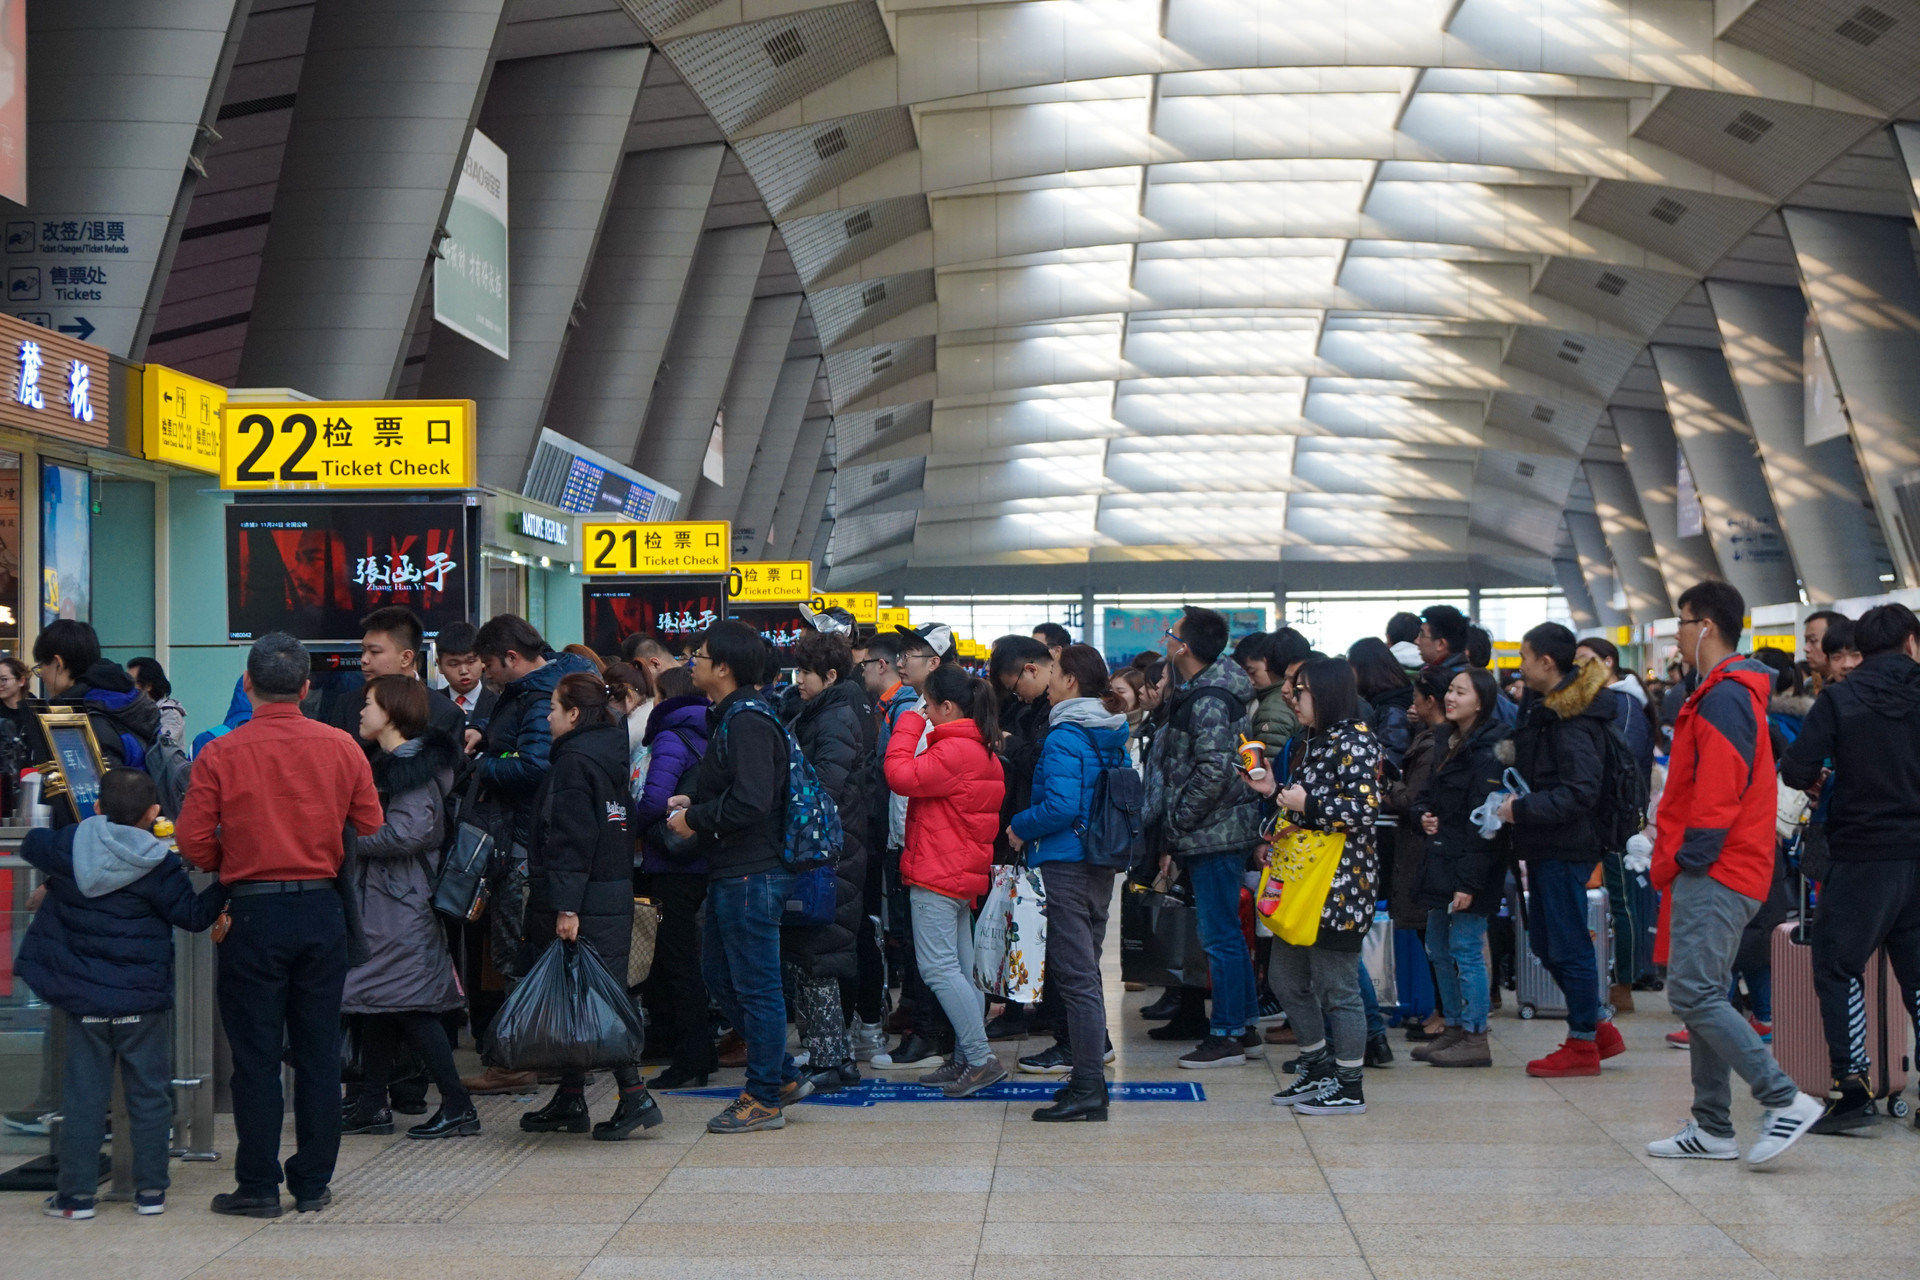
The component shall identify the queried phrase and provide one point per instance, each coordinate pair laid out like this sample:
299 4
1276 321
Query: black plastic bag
568 1014
1160 940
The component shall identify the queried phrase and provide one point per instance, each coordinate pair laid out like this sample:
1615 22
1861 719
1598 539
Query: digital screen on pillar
315 571
781 624
593 489
672 611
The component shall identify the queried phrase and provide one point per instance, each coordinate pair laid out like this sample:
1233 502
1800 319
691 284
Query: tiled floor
1483 1175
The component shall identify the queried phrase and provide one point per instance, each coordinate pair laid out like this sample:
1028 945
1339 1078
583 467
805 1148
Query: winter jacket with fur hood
1559 747
101 945
1868 728
953 789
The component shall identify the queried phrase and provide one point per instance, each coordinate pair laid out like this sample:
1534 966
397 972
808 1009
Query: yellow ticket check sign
633 549
863 605
888 619
771 581
348 444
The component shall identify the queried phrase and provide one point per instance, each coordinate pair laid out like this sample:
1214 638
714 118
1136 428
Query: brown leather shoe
1620 996
1282 1034
494 1080
732 1050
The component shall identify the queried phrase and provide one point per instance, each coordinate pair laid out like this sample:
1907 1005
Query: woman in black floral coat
1334 786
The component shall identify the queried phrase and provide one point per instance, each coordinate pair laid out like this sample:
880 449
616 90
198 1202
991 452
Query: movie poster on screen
674 612
315 571
781 624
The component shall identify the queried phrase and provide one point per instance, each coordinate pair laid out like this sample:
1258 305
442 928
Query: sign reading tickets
888 619
771 581
631 548
180 419
348 444
863 605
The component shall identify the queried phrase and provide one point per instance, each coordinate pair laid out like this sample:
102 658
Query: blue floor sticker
871 1093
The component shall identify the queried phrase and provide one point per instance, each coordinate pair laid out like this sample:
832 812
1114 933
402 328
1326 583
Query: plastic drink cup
1253 758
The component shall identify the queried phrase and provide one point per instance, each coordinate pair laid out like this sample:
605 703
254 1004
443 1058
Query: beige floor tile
1550 1267
794 1267
1221 1151
1559 1210
1465 1155
585 1206
1785 1204
771 1239
558 1267
721 1208
1180 1240
1496 1180
1126 1180
770 1151
1490 1240
843 1179
1810 1239
559 1179
439 1241
1112 1267
1161 1206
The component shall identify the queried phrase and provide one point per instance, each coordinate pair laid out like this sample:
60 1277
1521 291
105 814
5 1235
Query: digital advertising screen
673 611
314 571
781 624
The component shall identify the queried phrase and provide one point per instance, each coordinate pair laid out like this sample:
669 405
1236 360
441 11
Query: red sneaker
1678 1039
1574 1058
1606 1037
1762 1029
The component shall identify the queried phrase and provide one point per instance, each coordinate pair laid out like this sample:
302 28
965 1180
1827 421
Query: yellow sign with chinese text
348 444
1789 643
629 547
863 605
888 619
180 419
771 581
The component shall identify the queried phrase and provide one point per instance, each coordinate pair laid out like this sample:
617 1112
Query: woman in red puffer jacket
953 789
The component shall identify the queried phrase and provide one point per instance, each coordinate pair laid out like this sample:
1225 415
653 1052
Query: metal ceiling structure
1064 294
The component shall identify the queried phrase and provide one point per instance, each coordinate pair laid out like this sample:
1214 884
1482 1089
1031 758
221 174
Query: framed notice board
76 758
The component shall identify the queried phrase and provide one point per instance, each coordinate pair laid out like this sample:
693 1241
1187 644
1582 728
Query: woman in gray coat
409 981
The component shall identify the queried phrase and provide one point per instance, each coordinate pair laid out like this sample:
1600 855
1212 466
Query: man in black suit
461 668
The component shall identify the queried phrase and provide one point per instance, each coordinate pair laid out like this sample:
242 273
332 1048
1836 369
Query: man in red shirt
268 811
1713 864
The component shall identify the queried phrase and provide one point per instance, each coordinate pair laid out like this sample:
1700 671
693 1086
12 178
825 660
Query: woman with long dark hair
1334 788
1383 685
580 879
953 789
1464 872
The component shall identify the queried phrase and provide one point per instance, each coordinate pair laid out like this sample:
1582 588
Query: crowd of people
1402 776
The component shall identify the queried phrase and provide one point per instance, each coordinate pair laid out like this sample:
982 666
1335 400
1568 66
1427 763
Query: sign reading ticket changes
348 444
631 548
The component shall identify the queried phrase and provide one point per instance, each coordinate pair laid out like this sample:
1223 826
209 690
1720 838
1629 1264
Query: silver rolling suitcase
1538 993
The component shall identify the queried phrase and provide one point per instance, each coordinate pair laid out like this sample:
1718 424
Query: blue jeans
143 1045
1759 992
1376 1021
1557 931
740 959
1454 942
1216 879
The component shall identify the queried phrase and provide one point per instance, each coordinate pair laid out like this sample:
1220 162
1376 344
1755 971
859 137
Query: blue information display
873 1092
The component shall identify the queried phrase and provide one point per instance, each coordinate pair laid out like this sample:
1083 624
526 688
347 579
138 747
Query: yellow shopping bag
1294 884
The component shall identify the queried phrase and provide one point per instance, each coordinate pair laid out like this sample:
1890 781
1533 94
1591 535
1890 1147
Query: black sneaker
1339 1097
1379 1052
1215 1051
1185 1026
1849 1106
1312 1077
234 1205
1055 1061
914 1051
1270 1009
1165 1007
1008 1026
1253 1043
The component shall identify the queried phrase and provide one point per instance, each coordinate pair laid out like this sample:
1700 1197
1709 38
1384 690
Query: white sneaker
870 1044
1693 1144
1781 1128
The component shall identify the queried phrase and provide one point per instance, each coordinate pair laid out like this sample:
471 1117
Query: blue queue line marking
874 1092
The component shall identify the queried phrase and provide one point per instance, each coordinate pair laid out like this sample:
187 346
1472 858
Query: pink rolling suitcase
1800 1045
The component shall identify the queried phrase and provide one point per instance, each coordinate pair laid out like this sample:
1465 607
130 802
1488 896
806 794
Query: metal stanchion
193 1029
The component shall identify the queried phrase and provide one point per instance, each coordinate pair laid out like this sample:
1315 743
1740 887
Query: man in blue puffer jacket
101 951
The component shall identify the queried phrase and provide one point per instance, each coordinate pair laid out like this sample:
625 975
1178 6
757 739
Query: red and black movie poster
672 611
315 571
781 624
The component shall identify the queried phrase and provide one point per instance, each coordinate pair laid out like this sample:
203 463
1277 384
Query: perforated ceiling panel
857 434
853 308
1634 300
824 243
658 16
1582 361
746 73
864 371
1767 145
1870 50
794 165
869 484
1692 228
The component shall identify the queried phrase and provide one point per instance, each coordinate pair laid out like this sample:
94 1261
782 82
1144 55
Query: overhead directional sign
632 549
771 581
863 605
888 619
348 444
180 418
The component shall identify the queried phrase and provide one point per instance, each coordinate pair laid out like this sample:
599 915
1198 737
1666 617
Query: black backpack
1114 833
1622 808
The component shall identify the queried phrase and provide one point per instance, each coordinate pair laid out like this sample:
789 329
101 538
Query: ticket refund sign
348 444
634 549
863 605
771 581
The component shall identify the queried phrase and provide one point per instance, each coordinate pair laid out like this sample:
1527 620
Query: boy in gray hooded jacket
101 951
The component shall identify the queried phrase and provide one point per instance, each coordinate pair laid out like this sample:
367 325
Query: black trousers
281 971
1078 896
427 1034
869 994
1863 907
675 993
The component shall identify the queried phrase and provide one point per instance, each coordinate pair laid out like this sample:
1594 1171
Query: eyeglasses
1174 636
864 663
1690 622
698 657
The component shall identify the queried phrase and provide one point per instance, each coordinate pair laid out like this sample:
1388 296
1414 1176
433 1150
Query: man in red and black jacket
1713 862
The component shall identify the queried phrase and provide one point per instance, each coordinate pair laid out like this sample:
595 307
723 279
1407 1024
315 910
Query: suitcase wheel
1899 1107
1526 1013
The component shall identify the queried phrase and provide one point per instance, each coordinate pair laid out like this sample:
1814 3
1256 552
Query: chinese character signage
314 571
348 444
52 383
540 528
672 611
863 605
771 580
888 619
630 549
81 274
470 277
780 625
180 419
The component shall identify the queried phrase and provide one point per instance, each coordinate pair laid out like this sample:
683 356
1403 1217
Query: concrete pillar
1595 563
1725 464
806 542
1279 606
1635 561
1817 489
700 355
635 282
787 409
1653 461
783 530
1859 276
1090 629
389 92
1586 616
119 90
749 394
563 123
